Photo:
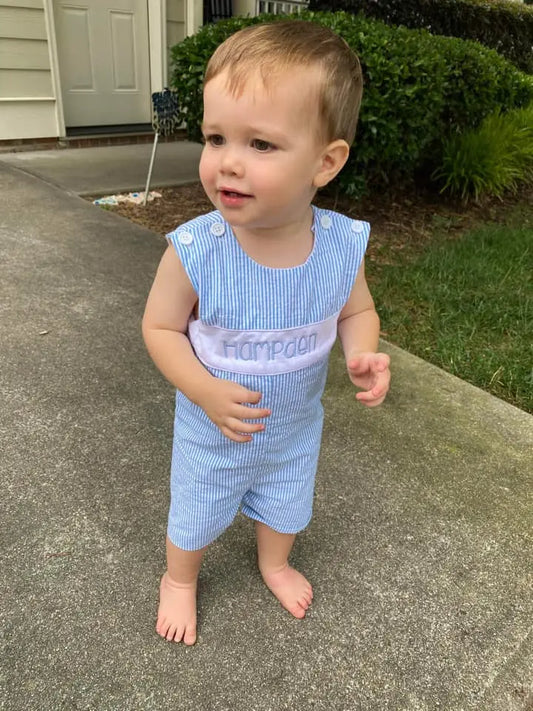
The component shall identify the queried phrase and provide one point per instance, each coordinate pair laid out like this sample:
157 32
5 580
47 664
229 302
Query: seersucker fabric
264 328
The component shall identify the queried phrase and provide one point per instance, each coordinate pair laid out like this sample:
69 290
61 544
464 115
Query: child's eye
215 140
262 146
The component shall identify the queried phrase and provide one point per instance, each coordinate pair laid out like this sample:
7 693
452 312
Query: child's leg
288 585
176 617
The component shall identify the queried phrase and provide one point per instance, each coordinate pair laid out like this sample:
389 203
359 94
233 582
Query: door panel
103 61
123 46
78 65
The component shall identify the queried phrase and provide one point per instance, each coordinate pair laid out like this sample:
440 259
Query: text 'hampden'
270 350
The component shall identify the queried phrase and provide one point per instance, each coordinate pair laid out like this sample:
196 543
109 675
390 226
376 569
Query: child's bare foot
291 588
176 617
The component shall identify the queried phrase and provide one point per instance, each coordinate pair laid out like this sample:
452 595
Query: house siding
27 101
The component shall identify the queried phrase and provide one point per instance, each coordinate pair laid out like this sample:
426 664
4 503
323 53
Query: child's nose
231 161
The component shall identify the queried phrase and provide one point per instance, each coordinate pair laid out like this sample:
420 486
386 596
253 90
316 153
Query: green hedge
504 26
418 90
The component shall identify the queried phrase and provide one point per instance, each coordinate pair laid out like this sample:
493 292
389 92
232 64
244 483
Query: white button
325 221
185 237
218 229
358 226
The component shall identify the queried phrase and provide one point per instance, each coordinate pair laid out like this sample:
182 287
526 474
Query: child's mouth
232 198
233 193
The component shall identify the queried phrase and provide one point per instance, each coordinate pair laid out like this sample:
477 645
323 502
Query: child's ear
333 159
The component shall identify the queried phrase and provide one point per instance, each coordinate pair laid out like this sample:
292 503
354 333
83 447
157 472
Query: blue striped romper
270 330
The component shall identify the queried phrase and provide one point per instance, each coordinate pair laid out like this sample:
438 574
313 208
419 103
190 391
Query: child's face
262 151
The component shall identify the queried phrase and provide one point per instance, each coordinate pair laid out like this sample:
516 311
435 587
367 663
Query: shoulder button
218 229
185 237
358 226
325 221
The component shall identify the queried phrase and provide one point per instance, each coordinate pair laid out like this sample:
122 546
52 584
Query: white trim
157 33
194 10
189 17
54 67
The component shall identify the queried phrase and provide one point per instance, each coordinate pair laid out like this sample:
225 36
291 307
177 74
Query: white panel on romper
263 352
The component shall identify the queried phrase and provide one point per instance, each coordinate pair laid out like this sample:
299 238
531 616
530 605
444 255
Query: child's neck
280 247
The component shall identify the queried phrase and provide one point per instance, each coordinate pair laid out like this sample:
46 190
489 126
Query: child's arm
166 317
359 334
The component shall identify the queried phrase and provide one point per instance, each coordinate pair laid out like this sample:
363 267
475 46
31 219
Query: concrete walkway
419 551
112 169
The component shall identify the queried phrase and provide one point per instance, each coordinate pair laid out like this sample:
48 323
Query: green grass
466 305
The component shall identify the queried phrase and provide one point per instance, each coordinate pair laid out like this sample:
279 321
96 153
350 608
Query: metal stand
156 138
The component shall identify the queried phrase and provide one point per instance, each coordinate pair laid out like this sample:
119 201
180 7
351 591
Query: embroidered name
263 352
270 350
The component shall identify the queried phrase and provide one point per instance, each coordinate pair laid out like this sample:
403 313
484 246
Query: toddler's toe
173 634
303 602
162 627
189 638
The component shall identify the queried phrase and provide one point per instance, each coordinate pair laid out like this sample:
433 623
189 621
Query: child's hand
224 404
370 371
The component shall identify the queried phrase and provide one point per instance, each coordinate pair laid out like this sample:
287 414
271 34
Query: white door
103 61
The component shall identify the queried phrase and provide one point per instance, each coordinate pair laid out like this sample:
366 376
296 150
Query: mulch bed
401 221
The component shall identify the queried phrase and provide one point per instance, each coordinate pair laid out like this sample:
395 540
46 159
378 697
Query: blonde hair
275 48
